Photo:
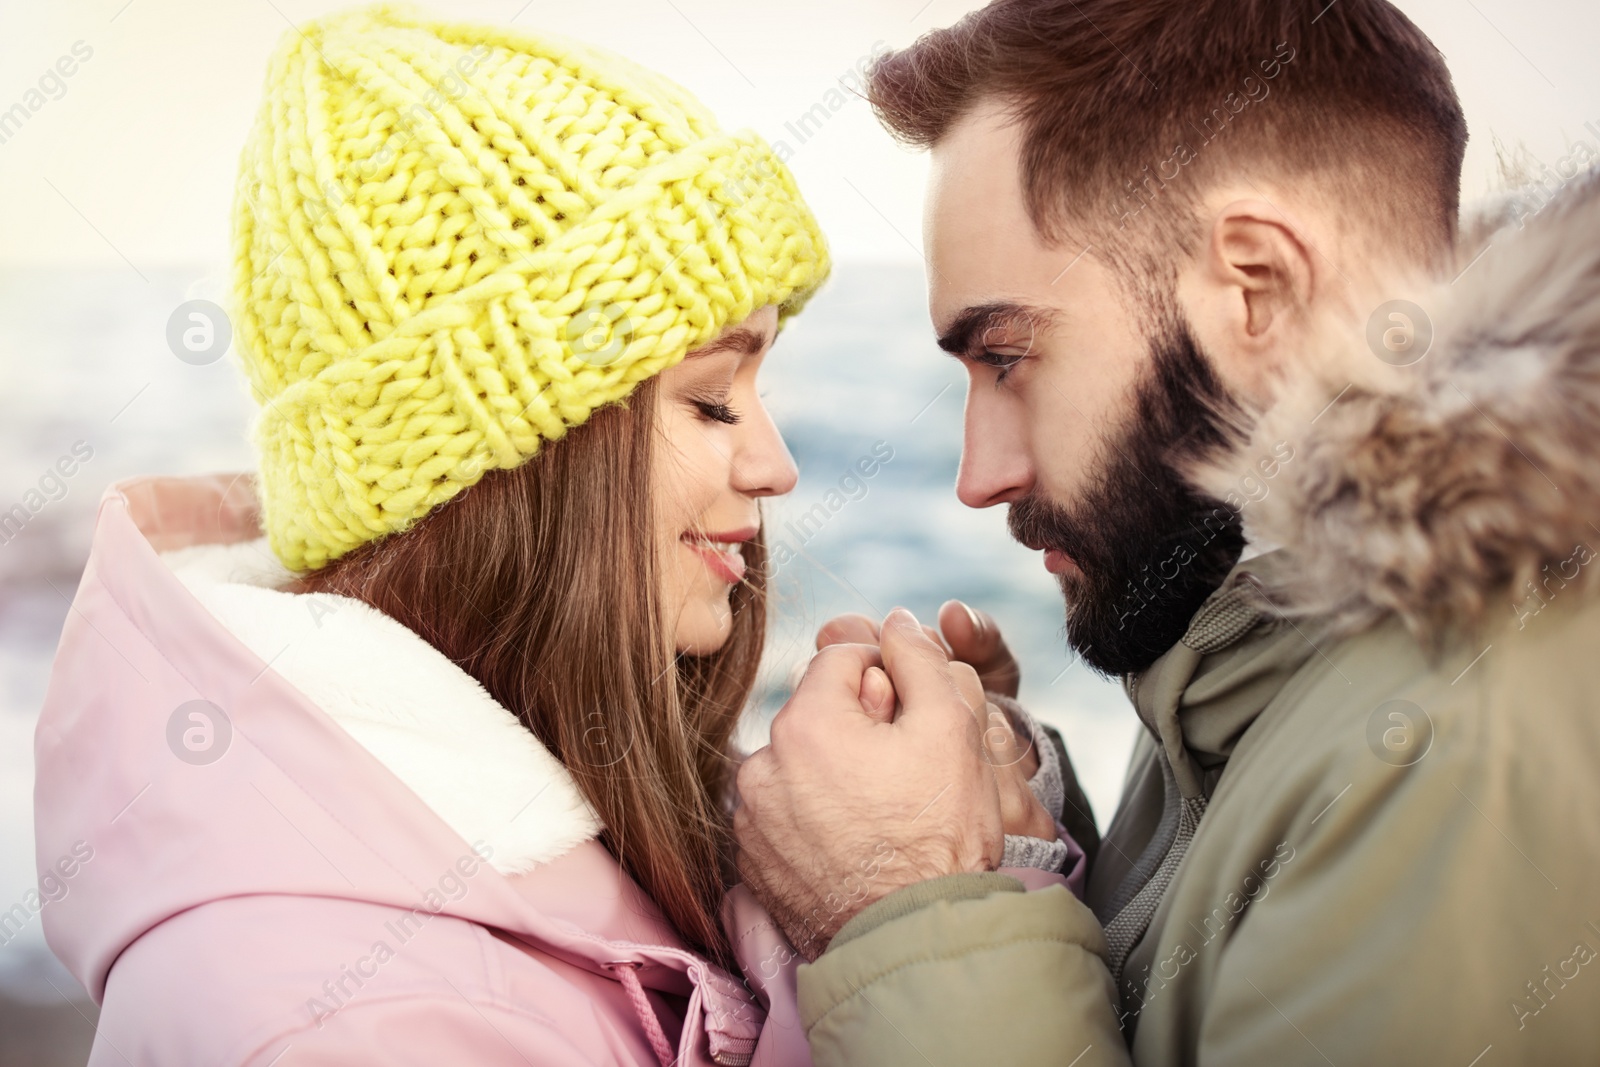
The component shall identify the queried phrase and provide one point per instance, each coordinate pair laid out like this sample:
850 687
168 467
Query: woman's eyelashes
716 410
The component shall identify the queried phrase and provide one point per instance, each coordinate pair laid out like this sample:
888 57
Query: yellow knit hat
453 242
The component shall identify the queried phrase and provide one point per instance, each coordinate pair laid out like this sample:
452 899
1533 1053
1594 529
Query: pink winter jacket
298 834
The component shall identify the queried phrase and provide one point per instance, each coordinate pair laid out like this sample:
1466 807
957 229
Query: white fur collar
432 724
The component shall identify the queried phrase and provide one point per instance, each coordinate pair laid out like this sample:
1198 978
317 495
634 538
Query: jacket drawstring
627 973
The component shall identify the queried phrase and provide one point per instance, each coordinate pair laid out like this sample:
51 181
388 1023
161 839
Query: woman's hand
967 634
974 637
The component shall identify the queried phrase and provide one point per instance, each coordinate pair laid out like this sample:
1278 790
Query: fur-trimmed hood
1465 481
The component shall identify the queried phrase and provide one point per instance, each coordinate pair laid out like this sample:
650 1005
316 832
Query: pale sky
135 161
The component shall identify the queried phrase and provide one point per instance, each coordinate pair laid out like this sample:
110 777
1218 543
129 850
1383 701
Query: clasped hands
888 766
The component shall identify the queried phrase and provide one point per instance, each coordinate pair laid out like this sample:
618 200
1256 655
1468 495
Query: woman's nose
765 467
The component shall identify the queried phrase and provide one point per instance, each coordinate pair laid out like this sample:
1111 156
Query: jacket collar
1198 699
424 718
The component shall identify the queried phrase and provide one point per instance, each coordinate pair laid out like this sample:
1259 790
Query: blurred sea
85 359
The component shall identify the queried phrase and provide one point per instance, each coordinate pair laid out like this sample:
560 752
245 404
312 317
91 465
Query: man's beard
1150 547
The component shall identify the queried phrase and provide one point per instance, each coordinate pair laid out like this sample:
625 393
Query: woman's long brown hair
542 583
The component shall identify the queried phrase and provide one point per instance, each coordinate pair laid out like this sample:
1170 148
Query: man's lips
723 552
1057 561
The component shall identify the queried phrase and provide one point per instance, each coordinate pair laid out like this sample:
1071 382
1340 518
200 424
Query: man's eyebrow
975 320
743 340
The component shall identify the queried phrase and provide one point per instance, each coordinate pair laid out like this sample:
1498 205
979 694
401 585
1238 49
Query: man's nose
995 465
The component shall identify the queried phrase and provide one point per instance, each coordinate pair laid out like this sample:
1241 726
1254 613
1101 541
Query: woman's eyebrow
743 340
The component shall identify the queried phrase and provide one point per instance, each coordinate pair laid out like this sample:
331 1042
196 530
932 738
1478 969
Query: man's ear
1263 268
1248 290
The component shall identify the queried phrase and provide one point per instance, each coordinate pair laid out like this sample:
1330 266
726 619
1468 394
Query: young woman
415 746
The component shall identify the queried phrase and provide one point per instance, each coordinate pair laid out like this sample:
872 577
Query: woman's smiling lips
722 552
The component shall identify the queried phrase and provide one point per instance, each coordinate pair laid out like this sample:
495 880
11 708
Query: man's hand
852 800
972 637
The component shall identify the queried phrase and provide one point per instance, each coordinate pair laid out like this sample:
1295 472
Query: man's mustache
1039 524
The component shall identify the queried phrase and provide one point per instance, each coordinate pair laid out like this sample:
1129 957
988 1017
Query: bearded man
1314 464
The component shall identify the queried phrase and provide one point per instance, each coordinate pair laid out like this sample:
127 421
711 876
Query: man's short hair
1131 109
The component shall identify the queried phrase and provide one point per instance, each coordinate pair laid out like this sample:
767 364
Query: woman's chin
703 628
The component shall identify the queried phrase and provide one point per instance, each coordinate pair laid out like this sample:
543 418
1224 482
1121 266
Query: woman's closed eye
717 411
